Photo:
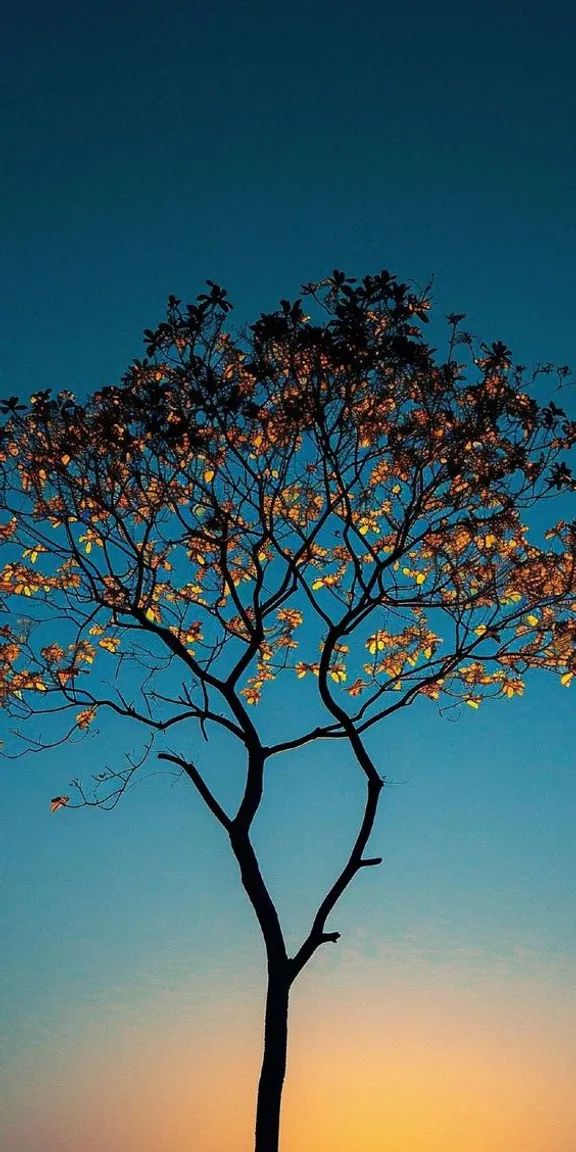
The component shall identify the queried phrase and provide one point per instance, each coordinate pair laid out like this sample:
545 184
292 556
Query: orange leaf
58 802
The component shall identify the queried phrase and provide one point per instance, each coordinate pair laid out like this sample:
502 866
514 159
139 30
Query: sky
143 149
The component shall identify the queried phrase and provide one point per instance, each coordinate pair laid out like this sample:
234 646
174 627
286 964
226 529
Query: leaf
472 703
376 643
566 679
109 643
58 802
85 717
357 687
32 553
252 692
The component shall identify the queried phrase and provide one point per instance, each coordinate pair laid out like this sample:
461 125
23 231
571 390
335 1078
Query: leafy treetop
316 496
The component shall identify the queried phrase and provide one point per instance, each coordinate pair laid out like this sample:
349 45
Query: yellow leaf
375 643
532 619
317 584
209 475
109 643
566 679
420 578
150 614
65 459
473 703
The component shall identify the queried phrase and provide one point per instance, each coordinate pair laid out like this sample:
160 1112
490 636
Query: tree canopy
313 496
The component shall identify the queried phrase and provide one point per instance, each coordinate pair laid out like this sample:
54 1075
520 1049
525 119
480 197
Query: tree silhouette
313 497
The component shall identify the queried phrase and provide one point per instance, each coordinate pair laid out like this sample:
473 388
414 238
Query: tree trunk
274 1060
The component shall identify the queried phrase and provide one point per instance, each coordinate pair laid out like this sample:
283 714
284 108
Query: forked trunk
273 1063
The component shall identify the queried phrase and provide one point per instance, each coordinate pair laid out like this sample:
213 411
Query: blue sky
143 149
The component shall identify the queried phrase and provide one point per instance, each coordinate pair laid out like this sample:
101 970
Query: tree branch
202 787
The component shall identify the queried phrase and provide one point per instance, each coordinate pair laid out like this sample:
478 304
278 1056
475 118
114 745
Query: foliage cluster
319 478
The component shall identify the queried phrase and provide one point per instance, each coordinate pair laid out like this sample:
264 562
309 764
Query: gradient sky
145 147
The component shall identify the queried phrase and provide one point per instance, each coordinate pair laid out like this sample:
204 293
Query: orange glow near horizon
407 1068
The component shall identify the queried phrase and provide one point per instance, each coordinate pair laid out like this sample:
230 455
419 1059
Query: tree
313 497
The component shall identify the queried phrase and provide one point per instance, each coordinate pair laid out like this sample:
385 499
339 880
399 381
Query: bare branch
200 784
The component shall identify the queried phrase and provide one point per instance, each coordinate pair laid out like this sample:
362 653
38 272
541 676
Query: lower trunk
273 1063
